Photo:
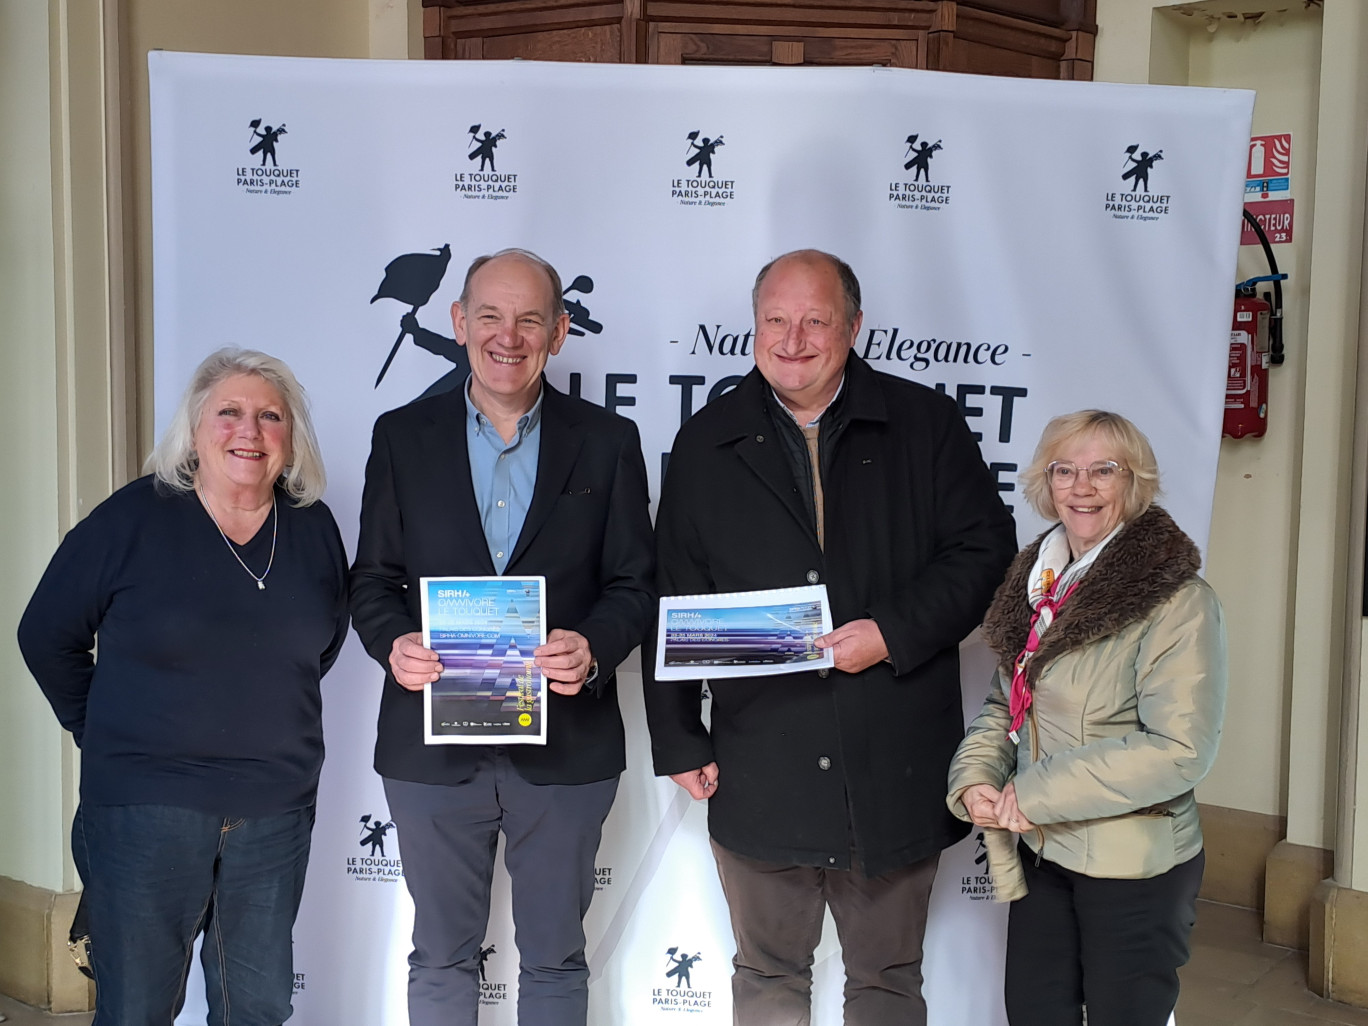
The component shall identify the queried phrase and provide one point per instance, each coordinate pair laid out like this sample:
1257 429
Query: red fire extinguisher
1255 345
1246 399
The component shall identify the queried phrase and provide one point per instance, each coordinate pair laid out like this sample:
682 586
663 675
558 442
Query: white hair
174 460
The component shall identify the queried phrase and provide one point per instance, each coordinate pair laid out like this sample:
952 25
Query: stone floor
1234 979
12 1013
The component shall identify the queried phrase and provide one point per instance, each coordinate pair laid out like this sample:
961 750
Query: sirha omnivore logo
492 991
375 864
700 185
1135 200
262 174
915 188
679 993
978 886
481 178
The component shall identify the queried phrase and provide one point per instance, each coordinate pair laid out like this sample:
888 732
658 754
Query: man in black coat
504 476
827 787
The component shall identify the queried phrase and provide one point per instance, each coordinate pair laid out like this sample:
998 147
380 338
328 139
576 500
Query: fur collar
1140 568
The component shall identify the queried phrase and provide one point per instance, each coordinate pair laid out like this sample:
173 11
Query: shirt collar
817 419
479 421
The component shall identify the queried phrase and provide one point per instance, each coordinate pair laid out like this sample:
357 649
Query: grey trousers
776 915
447 837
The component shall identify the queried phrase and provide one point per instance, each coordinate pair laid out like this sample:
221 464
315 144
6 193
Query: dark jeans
156 876
1113 945
447 837
776 915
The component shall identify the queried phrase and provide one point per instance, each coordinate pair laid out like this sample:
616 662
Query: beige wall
1123 34
1254 519
1282 538
31 803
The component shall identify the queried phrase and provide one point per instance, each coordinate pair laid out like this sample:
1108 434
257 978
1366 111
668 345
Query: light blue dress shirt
503 475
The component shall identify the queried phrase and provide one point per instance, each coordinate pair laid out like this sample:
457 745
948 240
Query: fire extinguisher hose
1275 317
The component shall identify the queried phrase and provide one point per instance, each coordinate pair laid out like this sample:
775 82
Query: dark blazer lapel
758 444
446 441
562 436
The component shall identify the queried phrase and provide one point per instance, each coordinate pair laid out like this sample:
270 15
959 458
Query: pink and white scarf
1053 579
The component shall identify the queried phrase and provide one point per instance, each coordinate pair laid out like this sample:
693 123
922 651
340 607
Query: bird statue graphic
412 279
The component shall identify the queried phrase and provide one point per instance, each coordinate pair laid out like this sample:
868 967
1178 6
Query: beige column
1330 546
1322 549
64 384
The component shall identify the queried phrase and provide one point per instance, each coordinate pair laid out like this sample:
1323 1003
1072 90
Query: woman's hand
980 802
1008 815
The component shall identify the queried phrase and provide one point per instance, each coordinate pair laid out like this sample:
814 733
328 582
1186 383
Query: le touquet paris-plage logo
914 189
1134 200
480 178
265 176
678 993
413 279
978 885
699 185
492 992
374 864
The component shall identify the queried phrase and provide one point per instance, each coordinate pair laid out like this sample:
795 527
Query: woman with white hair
1105 714
215 588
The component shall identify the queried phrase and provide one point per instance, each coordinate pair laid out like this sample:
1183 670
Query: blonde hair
1133 452
174 460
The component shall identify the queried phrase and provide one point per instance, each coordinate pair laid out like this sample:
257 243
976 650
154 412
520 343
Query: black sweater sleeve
57 630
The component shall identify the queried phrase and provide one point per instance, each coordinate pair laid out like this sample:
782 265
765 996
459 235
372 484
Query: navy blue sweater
205 693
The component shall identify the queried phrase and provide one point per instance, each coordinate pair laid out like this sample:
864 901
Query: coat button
759 438
831 860
824 763
824 673
813 577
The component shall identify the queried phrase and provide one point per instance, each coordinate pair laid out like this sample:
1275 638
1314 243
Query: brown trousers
776 916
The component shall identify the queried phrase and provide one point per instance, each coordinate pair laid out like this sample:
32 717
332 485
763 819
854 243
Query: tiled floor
1234 979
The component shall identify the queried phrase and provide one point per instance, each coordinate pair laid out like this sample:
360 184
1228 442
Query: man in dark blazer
506 475
826 788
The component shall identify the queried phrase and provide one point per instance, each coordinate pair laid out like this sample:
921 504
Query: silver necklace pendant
275 524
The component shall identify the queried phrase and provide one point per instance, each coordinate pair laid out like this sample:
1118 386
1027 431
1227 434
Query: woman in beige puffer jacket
1112 676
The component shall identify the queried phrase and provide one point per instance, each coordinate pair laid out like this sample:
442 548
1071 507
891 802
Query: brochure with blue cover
743 634
484 630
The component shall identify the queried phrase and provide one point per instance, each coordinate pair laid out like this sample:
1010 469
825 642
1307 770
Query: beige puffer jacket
1129 693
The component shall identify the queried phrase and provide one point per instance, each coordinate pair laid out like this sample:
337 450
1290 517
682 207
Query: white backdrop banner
1029 247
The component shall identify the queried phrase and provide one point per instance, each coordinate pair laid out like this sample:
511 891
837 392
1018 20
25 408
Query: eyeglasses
1063 473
